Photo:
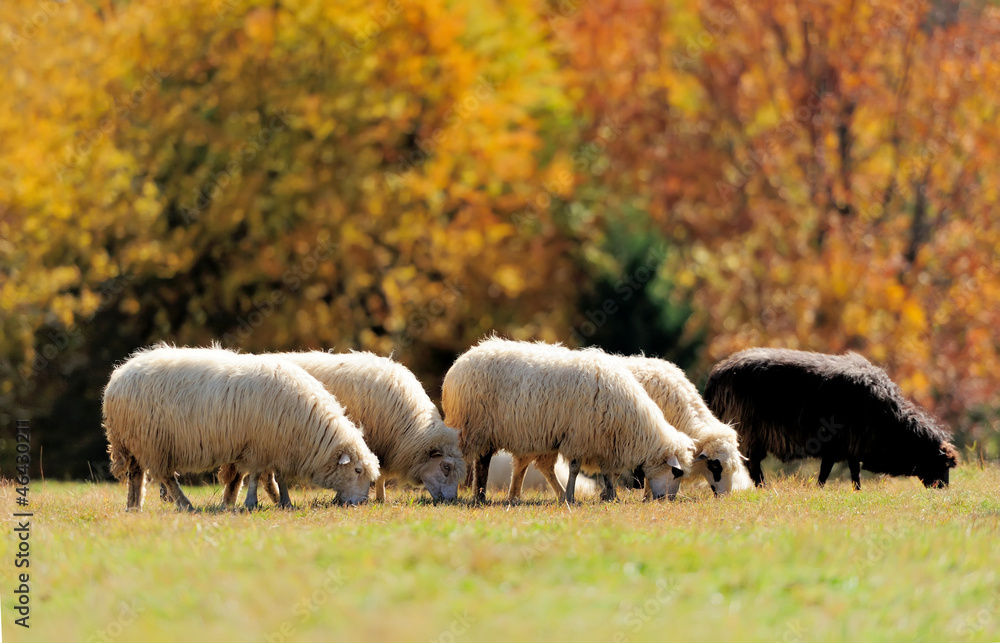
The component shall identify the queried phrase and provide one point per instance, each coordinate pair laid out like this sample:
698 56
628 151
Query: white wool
537 398
686 410
401 424
194 409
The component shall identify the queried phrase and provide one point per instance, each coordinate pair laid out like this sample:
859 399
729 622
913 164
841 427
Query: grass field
787 563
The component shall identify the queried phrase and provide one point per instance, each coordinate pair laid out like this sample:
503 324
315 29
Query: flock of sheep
347 421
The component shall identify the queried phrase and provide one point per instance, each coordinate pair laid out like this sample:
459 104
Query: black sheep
797 404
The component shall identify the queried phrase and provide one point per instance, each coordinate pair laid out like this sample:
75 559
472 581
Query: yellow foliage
408 176
288 175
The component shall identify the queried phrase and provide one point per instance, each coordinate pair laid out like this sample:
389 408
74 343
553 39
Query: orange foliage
408 176
828 168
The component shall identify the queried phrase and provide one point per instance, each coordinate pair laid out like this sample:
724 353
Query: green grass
787 563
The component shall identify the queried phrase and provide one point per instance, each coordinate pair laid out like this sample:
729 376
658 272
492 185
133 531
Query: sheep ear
344 459
672 461
701 456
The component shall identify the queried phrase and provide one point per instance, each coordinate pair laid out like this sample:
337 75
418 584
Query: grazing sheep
555 471
170 410
539 400
718 456
400 423
232 480
797 404
231 485
500 470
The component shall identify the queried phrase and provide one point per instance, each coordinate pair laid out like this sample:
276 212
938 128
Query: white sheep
539 400
400 423
170 410
500 470
718 457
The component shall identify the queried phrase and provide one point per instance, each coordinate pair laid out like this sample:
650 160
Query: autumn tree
828 168
277 175
406 177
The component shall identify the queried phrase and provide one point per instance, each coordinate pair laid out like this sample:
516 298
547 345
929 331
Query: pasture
789 562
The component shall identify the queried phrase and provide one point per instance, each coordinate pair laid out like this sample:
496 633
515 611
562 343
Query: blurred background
679 177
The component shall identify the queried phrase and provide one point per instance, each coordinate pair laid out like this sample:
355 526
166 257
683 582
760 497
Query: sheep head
350 475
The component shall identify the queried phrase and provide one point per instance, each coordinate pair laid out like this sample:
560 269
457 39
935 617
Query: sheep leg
756 472
608 491
232 481
380 489
824 469
283 500
251 501
164 494
470 473
136 486
271 486
546 464
574 471
518 467
647 490
174 489
482 473
855 466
